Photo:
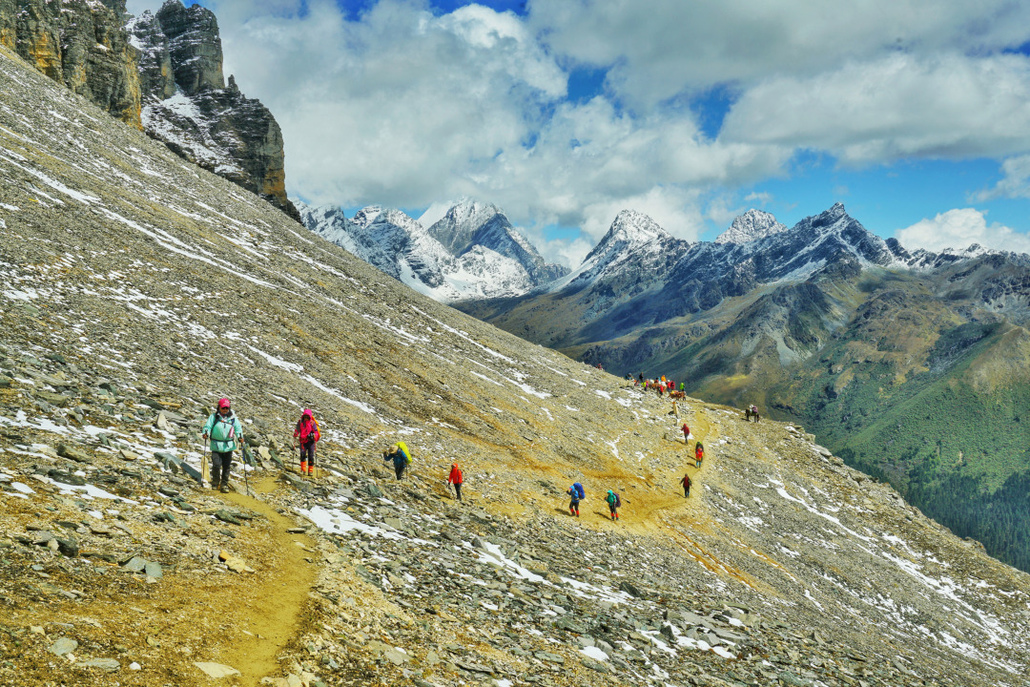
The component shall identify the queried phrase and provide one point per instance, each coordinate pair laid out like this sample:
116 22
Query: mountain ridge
472 252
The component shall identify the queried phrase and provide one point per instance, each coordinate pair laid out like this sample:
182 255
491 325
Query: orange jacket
455 476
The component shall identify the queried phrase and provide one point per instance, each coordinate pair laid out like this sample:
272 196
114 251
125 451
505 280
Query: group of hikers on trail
699 448
660 384
225 432
577 493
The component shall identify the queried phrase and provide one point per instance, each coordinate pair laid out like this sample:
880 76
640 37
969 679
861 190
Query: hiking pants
574 505
611 507
457 489
307 453
686 491
399 468
220 464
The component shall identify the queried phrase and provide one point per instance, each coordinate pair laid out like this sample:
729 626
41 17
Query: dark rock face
187 105
80 44
157 80
194 46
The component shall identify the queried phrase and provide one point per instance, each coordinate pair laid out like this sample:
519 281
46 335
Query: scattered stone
63 646
73 453
216 670
109 665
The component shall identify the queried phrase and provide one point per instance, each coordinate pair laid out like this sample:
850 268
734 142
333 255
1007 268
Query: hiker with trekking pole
224 430
307 433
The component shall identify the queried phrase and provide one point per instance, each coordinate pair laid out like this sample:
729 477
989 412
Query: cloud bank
959 229
405 106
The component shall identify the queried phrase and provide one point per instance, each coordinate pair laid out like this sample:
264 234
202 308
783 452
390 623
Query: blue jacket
398 456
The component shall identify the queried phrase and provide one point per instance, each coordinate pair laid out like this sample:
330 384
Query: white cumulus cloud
959 229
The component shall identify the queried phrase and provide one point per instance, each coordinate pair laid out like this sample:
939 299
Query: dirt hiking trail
198 611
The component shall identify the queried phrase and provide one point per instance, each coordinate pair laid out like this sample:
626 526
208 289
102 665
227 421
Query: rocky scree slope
137 289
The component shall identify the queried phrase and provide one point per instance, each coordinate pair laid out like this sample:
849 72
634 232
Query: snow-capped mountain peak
632 228
367 215
472 252
634 241
456 228
751 226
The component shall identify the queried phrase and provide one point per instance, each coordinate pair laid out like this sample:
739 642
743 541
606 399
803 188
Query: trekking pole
205 471
246 472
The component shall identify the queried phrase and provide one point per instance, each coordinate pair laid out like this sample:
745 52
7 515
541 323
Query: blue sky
915 115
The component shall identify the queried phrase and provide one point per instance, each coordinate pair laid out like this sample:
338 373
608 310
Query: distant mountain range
913 365
472 252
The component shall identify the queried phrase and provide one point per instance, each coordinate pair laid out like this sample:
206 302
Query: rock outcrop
161 73
78 43
188 106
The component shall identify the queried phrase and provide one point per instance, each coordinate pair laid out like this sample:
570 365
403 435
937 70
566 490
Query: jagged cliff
161 73
188 106
80 44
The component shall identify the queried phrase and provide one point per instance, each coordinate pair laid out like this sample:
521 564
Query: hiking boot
303 467
224 488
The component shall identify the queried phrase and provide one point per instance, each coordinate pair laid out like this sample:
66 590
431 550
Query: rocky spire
194 45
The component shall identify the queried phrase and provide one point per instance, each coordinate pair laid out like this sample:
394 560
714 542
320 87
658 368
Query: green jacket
226 433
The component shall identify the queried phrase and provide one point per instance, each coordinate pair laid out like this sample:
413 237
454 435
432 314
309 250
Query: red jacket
455 476
685 481
307 430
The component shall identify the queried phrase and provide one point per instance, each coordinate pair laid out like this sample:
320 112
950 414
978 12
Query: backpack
404 449
618 501
315 434
579 491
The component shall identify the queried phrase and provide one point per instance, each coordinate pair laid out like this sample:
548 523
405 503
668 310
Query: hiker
699 453
456 479
686 485
613 504
226 434
686 433
576 494
401 458
308 434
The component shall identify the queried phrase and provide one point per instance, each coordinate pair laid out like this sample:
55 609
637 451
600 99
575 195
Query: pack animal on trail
677 394
751 414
